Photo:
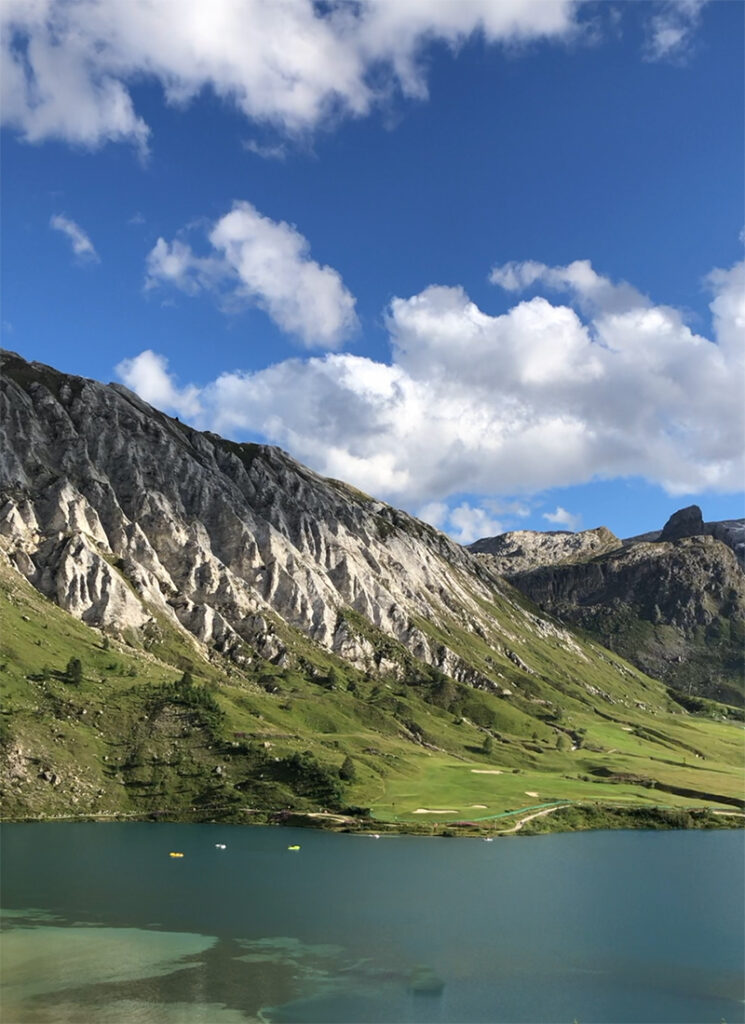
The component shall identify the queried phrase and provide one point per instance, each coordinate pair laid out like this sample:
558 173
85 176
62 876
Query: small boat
488 839
175 854
220 846
293 847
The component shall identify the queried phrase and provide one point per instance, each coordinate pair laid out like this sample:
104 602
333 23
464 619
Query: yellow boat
175 855
293 847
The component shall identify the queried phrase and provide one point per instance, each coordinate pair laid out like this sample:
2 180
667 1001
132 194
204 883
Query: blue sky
483 260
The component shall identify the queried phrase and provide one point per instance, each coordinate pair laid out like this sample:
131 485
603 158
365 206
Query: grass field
236 744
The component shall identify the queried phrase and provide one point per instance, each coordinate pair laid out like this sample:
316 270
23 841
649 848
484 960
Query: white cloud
67 67
467 523
266 263
670 29
728 308
175 264
435 513
147 375
81 243
539 397
267 151
560 517
591 290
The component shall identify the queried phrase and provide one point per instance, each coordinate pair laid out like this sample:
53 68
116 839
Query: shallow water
101 925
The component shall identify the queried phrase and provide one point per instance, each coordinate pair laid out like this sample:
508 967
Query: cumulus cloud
174 263
67 67
268 264
79 240
591 290
560 517
467 523
541 396
670 29
464 522
147 375
728 308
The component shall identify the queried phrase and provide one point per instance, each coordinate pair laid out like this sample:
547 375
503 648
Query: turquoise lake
100 924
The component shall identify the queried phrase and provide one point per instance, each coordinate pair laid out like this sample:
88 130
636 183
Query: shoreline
529 821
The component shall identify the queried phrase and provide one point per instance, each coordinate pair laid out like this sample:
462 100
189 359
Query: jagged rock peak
686 522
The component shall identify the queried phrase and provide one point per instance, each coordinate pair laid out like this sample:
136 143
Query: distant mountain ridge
523 550
672 601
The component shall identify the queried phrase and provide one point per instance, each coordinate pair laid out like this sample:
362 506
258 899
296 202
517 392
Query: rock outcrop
672 601
522 550
686 522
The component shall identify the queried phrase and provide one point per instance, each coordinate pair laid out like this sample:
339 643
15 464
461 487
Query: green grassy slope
133 739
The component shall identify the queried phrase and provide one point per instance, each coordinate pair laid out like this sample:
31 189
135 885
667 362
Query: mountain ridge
348 629
671 601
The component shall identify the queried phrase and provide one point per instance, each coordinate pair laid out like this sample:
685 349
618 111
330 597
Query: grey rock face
729 531
118 513
686 522
671 601
522 550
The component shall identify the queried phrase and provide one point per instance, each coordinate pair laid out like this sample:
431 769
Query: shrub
445 693
74 672
332 680
347 772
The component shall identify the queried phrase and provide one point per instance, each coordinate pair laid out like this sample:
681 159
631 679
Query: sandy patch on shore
530 792
486 771
427 810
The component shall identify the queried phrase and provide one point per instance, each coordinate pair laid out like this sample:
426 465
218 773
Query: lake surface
102 925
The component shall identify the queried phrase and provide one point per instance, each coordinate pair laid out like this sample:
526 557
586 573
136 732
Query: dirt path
529 817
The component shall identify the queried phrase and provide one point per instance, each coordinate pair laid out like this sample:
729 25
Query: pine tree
75 671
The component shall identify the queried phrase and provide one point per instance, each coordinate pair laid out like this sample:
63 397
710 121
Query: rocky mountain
197 628
671 601
689 522
122 515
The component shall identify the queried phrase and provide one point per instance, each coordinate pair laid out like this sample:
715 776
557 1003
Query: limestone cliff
123 515
522 550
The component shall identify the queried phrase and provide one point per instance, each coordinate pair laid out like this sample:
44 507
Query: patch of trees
184 692
307 777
